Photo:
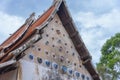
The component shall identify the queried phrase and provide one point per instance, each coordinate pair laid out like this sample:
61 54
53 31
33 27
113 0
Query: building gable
61 38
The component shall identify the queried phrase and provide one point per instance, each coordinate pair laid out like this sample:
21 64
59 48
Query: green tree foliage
109 65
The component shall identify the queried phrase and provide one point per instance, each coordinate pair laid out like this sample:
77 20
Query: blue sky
96 20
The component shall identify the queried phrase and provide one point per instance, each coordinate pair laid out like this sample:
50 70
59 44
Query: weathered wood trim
35 25
77 40
8 66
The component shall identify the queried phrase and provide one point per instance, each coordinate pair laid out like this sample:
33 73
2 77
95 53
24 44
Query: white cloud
96 29
8 25
110 20
107 20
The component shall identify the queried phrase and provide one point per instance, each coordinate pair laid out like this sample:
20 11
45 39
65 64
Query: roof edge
76 39
35 25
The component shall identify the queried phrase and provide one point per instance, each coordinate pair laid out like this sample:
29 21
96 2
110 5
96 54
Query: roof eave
70 27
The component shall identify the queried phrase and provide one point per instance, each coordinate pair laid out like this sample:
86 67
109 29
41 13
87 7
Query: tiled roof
13 38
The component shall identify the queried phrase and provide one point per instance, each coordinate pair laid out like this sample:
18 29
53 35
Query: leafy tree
109 65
